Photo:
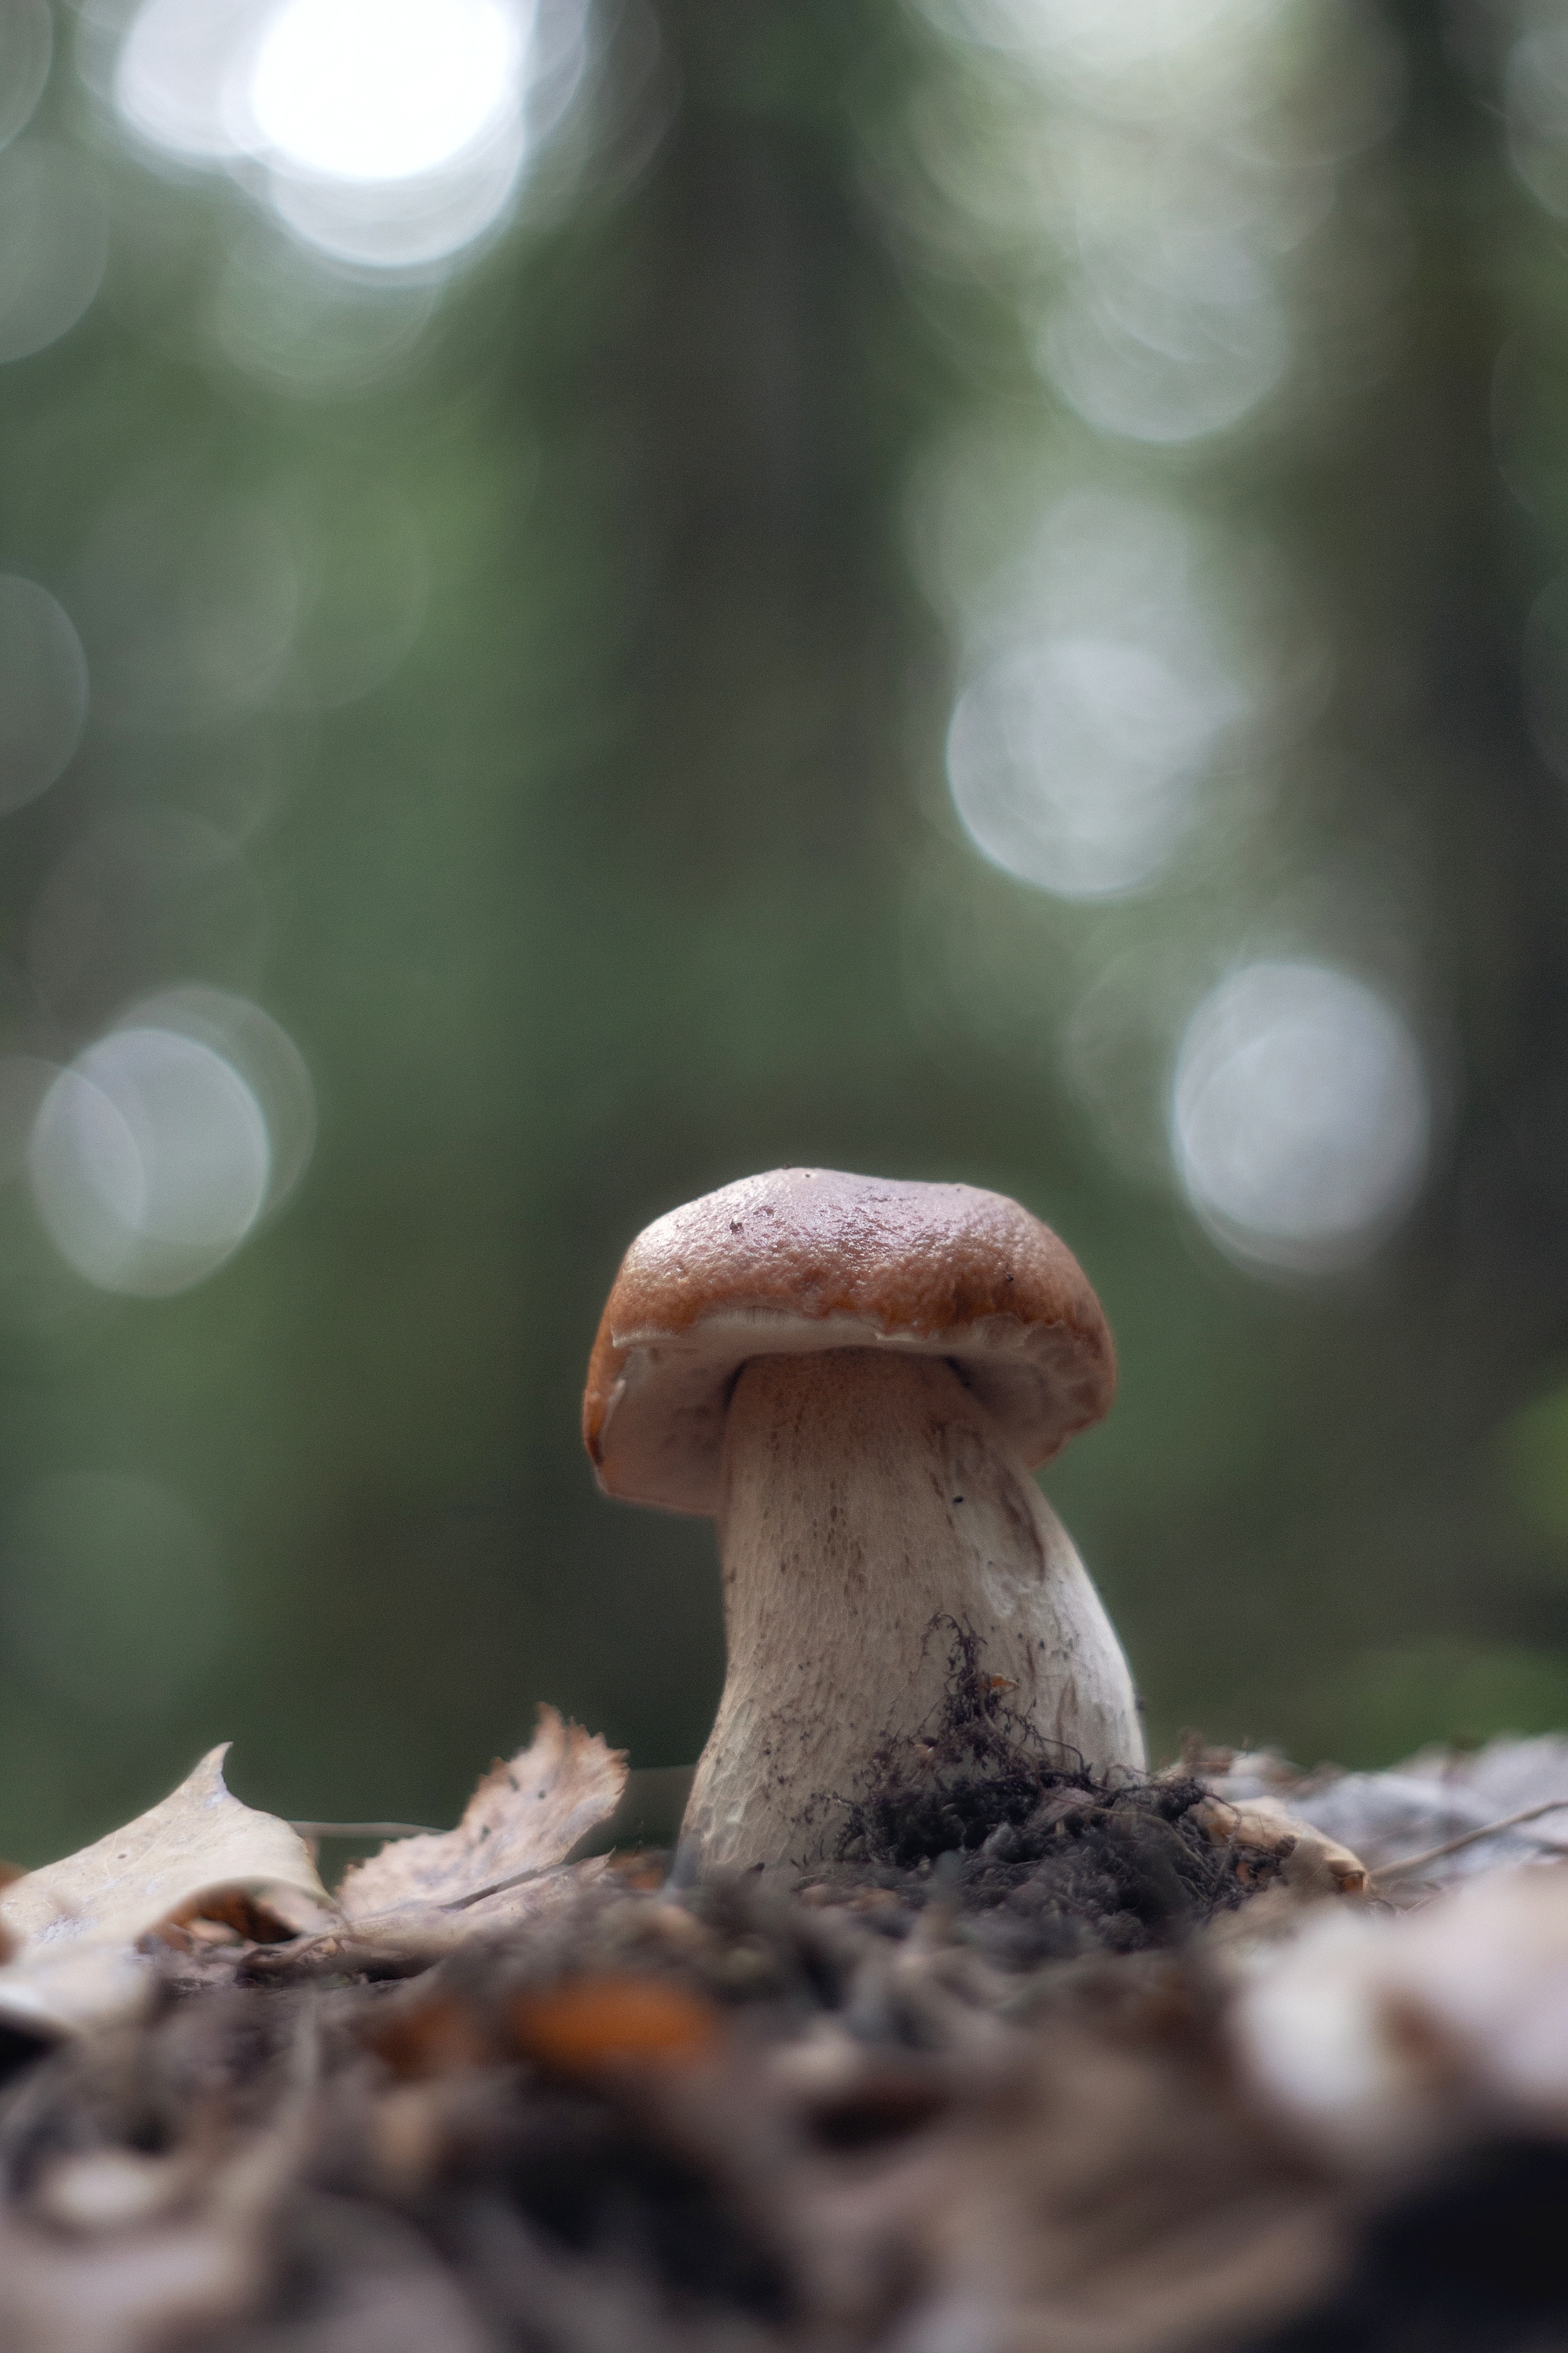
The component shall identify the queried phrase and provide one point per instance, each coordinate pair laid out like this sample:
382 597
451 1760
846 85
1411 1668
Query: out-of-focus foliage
594 598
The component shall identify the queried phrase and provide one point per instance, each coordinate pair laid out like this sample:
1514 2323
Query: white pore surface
149 1161
1300 1115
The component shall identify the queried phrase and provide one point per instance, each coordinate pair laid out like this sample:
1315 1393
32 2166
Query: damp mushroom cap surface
803 1261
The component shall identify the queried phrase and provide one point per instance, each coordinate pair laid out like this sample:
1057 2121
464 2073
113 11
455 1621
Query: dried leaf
1311 1864
1378 2034
1424 1806
75 1926
521 1821
118 2251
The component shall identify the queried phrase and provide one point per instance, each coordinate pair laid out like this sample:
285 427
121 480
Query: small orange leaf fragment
432 2037
645 1869
244 1916
605 2021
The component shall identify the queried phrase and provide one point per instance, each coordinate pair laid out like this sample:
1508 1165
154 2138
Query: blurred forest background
602 595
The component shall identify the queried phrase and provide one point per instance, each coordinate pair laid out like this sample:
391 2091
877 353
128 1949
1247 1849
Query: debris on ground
201 1871
1504 1803
1040 2061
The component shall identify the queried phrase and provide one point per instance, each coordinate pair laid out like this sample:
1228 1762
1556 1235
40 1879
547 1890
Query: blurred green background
596 598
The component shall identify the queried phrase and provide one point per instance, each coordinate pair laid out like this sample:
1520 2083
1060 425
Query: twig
1470 1838
364 1829
500 1886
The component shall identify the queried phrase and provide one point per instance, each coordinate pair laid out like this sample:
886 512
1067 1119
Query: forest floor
1037 2061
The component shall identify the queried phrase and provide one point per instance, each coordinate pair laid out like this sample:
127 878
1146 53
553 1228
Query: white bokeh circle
264 1056
174 70
149 1161
320 334
26 48
383 90
54 246
43 691
410 226
1300 1115
390 134
1075 761
1168 345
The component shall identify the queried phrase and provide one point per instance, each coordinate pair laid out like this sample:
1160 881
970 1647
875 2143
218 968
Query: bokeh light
383 90
43 691
112 1597
150 1162
1143 668
1173 334
264 1057
1104 48
1098 703
54 246
1300 1115
497 670
1535 84
175 71
26 48
315 334
391 133
1073 763
403 225
25 1081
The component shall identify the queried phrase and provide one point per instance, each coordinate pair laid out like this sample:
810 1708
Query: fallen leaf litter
1035 2061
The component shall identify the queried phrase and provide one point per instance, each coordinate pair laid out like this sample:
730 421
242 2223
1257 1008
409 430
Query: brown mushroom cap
804 1259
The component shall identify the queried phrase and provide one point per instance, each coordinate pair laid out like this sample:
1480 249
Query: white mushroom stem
866 1495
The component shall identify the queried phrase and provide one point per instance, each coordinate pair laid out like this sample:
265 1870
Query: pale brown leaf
131 2252
75 1926
521 1821
1311 1864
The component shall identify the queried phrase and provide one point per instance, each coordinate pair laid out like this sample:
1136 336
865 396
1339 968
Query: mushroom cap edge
801 1260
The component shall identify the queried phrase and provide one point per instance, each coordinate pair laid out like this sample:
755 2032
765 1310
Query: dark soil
966 2088
1039 1859
1473 2262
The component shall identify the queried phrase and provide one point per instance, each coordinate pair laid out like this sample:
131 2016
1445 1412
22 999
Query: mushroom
856 1378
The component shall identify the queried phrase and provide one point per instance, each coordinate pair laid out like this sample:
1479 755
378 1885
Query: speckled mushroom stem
866 1494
